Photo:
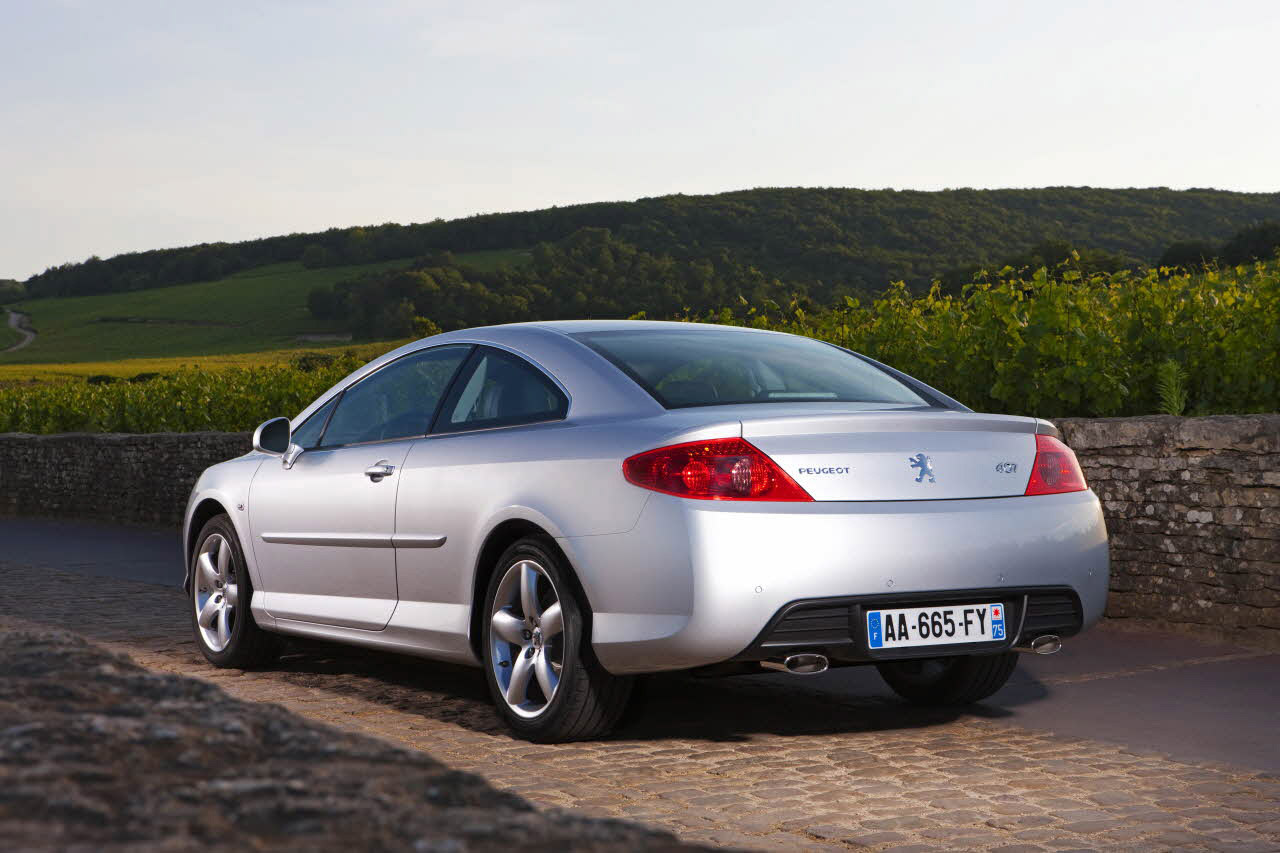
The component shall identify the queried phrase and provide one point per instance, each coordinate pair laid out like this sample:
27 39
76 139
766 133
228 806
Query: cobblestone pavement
756 762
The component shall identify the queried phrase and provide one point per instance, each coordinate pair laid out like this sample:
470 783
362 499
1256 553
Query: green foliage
1063 344
1171 385
591 273
1050 344
11 291
187 401
1051 254
1189 255
832 241
1255 243
263 308
424 328
315 256
8 335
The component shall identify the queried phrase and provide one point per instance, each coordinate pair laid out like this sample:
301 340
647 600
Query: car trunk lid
899 456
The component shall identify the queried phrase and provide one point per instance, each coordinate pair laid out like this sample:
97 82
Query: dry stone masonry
132 479
1193 512
1192 504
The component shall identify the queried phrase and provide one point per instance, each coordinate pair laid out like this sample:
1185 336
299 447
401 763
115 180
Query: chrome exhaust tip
1046 644
802 664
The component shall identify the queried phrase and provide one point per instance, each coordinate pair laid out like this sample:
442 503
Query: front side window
711 367
500 389
397 401
307 436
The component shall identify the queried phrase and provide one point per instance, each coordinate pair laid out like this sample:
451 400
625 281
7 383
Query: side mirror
272 437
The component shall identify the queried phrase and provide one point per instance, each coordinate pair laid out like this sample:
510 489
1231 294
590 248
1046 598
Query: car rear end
767 580
844 532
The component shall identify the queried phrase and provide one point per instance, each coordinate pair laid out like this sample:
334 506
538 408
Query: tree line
831 241
596 274
591 273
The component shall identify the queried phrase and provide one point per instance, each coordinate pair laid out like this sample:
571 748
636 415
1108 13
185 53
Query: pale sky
139 125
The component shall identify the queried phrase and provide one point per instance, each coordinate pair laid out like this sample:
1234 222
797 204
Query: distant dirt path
16 319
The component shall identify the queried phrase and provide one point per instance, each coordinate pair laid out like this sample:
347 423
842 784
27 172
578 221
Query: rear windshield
715 367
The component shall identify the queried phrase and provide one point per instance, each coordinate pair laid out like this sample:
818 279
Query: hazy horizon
158 126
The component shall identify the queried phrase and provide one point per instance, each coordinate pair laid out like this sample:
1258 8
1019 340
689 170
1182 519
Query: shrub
1052 344
186 401
1066 344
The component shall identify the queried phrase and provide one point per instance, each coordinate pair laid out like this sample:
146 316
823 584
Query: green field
254 311
127 368
259 309
8 337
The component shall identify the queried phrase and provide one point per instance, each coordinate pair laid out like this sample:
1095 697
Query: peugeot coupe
571 505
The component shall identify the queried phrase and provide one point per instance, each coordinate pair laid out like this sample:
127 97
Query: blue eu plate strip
875 636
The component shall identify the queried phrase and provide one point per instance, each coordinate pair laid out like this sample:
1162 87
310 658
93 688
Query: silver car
571 505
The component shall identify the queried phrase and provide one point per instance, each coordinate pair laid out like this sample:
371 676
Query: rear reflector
723 469
1055 470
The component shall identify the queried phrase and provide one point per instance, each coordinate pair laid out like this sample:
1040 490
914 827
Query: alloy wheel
215 592
526 638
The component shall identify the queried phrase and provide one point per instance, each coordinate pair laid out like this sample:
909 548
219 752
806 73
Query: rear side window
702 366
497 388
397 401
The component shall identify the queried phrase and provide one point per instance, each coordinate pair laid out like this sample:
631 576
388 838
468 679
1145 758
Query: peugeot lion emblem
925 464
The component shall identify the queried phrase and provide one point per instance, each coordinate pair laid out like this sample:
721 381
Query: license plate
935 626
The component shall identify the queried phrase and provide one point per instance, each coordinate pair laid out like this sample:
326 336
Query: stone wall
1193 513
133 479
1192 504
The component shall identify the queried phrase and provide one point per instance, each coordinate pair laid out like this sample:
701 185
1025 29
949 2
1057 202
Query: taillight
1055 469
722 469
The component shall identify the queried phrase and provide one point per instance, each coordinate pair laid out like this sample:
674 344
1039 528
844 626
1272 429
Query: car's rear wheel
951 680
545 681
220 594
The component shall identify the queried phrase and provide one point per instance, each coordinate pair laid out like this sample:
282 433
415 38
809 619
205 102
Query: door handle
379 470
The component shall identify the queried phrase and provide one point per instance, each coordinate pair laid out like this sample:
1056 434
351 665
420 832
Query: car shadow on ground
664 707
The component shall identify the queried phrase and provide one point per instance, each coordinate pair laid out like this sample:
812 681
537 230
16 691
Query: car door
322 527
484 444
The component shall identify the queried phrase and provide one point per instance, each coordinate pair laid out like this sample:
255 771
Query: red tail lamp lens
723 469
1055 470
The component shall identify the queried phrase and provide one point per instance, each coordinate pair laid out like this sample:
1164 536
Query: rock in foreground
98 753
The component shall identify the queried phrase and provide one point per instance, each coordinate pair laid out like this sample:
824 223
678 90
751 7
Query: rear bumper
836 627
697 583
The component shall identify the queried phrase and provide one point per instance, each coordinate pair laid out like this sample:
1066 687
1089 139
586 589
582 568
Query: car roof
570 327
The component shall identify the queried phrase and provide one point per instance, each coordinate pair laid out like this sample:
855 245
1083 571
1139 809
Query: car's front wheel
951 680
220 594
545 682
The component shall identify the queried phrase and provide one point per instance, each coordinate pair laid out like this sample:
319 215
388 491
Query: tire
949 681
231 638
586 702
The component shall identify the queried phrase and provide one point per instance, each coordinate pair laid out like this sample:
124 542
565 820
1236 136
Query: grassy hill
857 239
258 310
8 337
